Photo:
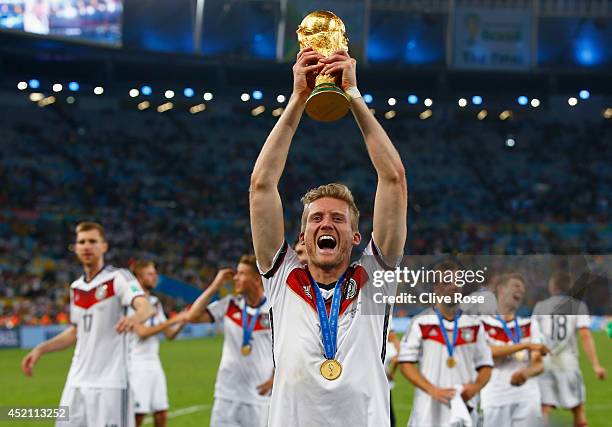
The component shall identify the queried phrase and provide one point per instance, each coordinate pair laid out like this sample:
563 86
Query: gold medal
245 350
519 356
451 362
331 369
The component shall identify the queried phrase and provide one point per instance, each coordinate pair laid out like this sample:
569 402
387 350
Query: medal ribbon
329 325
515 339
247 328
449 346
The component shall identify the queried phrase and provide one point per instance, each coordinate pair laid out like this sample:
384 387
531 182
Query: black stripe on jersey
383 353
277 261
272 329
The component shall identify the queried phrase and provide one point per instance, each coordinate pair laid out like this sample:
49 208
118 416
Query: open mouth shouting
326 243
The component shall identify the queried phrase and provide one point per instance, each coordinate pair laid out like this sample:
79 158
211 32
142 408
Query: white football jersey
499 391
559 330
424 344
95 308
301 396
238 375
145 351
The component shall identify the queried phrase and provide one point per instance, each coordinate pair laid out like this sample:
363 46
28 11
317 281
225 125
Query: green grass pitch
191 367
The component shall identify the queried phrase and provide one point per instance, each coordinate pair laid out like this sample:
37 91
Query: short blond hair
335 191
250 260
503 279
88 226
140 265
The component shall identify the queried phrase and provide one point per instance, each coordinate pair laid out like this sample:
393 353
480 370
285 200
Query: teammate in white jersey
147 378
244 379
452 354
96 391
512 397
329 361
560 318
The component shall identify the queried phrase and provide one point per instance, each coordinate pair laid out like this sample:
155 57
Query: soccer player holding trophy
328 348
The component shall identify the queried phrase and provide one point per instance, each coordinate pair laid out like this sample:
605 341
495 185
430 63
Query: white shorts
89 407
149 388
520 414
562 389
230 413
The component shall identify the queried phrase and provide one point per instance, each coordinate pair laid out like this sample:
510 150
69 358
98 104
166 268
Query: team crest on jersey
467 335
351 289
101 292
265 320
307 291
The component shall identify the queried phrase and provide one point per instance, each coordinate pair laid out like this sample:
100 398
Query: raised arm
267 225
391 202
197 312
65 339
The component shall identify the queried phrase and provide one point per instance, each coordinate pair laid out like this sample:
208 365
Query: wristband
353 93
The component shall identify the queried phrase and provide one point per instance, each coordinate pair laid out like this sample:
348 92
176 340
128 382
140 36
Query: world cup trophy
325 33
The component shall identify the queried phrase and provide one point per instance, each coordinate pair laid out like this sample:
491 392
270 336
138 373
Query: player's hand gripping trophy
324 32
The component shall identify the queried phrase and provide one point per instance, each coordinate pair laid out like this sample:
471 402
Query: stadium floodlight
482 114
505 115
462 102
584 94
70 100
208 96
258 110
390 114
245 97
280 99
413 99
134 93
34 84
476 99
36 96
22 85
607 113
425 114
510 142
144 105
74 86
535 102
188 92
367 98
392 101
169 94
257 94
522 100
428 102
98 90
277 111
572 101
146 90
57 87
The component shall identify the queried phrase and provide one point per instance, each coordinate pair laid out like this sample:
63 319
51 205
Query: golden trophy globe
324 32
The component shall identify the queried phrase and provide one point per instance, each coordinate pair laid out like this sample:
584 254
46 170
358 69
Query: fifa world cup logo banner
325 33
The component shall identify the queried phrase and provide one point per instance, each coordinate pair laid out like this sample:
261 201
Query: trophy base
327 103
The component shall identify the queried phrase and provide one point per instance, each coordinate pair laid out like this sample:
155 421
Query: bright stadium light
482 114
607 113
98 90
36 96
34 84
188 92
428 102
462 102
146 90
257 94
535 102
584 94
505 115
413 99
134 93
165 107
426 114
390 114
22 85
510 142
476 99
197 108
277 111
70 100
258 110
367 98
522 100
57 87
572 101
74 86
208 96
392 101
144 105
245 97
169 94
280 99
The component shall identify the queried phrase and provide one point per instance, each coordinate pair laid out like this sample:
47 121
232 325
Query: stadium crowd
174 188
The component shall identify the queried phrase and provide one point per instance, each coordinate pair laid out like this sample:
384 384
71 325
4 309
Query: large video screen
91 20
